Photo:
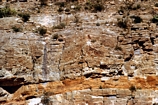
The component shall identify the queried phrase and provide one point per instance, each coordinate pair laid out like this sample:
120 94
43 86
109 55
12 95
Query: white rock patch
35 101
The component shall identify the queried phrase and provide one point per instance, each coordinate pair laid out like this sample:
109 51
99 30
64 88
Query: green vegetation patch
7 12
25 16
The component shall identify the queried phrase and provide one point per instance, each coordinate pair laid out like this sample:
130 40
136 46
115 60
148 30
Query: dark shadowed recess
11 89
11 84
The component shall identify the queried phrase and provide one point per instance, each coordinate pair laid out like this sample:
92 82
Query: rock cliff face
92 61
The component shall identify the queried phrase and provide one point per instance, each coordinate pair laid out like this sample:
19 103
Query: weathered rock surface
90 91
90 61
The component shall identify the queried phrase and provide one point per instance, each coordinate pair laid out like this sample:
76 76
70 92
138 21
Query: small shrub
155 19
88 6
98 7
6 12
16 29
43 2
25 16
156 4
78 8
42 30
122 23
88 3
137 19
60 26
61 4
132 88
55 36
97 24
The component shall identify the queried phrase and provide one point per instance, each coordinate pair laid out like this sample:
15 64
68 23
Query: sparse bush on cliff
42 30
156 4
122 23
17 29
155 19
55 36
98 7
77 8
25 16
43 2
137 19
125 21
97 24
7 12
61 4
95 6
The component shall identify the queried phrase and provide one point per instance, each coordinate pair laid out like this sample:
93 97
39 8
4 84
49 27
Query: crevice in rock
11 89
111 96
87 64
134 28
148 50
60 60
93 75
12 81
152 40
30 97
60 40
128 58
3 102
141 43
82 61
120 72
88 75
44 65
104 67
38 57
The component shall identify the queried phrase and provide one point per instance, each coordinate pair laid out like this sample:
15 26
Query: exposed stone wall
91 61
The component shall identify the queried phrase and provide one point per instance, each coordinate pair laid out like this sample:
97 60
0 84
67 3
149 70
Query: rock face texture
89 61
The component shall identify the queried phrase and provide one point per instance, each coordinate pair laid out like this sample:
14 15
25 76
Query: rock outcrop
84 58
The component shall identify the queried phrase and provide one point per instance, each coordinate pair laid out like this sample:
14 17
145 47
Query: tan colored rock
3 95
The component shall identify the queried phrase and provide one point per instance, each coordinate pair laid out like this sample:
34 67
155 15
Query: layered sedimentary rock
91 61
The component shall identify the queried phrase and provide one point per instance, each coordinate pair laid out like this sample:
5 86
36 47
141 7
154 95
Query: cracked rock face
90 61
31 59
28 57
